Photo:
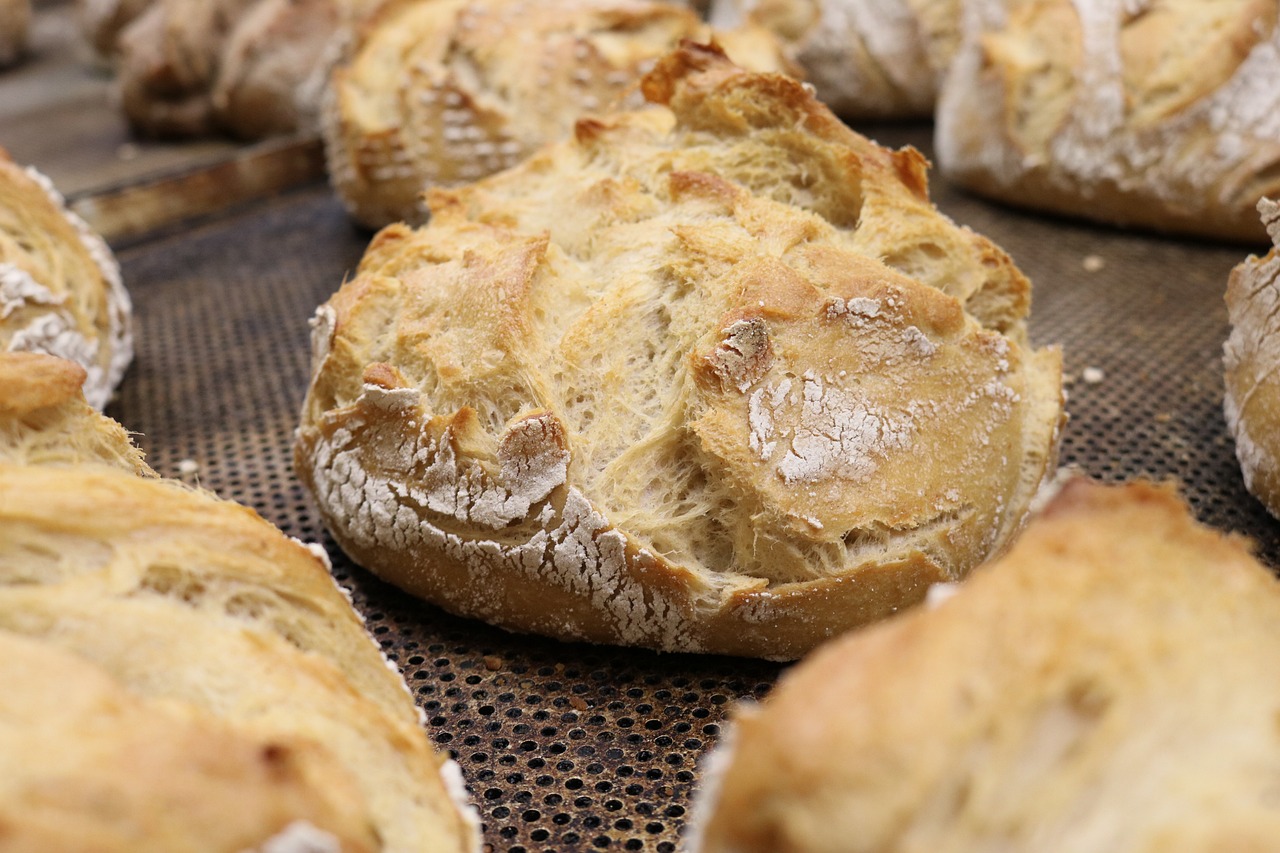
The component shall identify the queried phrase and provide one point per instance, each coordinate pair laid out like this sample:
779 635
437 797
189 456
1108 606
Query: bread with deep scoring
60 286
1108 684
709 376
1160 114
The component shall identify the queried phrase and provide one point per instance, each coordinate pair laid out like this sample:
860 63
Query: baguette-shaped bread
868 59
1251 361
60 287
15 22
1109 684
440 92
181 597
85 764
655 386
1160 114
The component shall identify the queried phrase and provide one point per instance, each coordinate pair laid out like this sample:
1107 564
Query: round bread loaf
439 92
655 386
874 59
197 604
1251 360
73 740
1109 684
1162 113
15 21
60 288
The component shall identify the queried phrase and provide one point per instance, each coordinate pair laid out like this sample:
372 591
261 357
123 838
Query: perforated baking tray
575 747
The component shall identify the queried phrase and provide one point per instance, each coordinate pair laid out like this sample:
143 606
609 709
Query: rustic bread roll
1251 360
60 288
102 22
194 67
1109 684
188 600
73 739
1161 114
15 21
655 387
439 92
873 59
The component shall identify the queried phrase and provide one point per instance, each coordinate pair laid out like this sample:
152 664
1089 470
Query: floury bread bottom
710 376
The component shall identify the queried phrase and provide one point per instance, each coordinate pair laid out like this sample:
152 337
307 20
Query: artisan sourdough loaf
1160 113
711 376
440 92
198 609
1109 684
15 23
872 59
60 288
1251 360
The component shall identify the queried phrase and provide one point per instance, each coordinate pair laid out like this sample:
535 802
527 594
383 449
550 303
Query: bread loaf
15 21
1251 360
440 92
1109 684
60 288
187 602
873 59
657 386
1160 114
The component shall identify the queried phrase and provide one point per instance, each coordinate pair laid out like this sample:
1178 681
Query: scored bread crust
873 59
1251 364
654 386
1108 684
60 286
1161 114
439 92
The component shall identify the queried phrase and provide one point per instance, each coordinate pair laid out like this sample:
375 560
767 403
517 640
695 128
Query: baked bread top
439 92
654 386
1161 114
1108 684
1251 361
60 288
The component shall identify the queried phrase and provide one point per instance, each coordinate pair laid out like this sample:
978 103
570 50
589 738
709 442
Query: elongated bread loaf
1163 113
188 602
60 287
439 92
656 386
1109 684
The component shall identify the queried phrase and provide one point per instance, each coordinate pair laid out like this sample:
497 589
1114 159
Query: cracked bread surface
710 376
1107 684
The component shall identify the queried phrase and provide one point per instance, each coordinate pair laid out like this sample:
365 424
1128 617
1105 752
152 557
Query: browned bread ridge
1109 684
712 376
1251 361
195 603
60 287
1161 114
441 92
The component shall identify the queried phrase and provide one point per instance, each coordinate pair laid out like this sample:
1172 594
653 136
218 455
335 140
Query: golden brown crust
1159 115
1104 685
654 386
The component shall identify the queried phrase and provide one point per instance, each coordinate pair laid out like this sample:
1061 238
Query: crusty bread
1161 114
246 67
1251 361
655 386
872 59
15 22
85 764
60 288
102 21
1109 684
439 92
186 599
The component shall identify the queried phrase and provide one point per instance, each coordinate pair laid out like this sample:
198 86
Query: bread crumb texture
1156 113
709 376
1106 685
1251 361
60 286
